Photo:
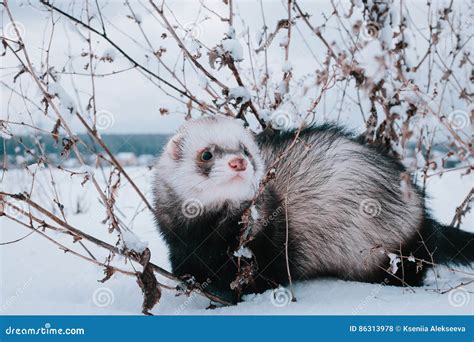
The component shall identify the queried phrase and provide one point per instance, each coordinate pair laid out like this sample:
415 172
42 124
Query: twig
102 244
126 55
293 298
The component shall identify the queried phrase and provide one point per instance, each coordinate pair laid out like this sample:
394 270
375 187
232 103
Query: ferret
345 206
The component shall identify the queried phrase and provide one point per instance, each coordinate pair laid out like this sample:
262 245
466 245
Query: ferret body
345 207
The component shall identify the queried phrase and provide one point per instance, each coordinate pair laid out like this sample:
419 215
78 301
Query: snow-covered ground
38 278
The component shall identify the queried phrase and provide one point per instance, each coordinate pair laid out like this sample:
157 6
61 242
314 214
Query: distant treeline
139 144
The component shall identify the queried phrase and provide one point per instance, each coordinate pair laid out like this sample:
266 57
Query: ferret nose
238 164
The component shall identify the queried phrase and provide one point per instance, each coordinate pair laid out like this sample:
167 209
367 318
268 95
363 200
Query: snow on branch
399 78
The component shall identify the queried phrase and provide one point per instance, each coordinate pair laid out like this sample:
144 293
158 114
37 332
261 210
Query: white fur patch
219 186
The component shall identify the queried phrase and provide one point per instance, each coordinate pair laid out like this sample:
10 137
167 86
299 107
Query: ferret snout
238 164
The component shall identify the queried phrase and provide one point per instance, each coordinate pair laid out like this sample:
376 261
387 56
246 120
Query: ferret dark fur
349 209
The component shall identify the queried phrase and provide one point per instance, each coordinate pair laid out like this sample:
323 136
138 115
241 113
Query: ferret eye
246 151
206 156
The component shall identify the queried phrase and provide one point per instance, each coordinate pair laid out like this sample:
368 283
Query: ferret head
211 161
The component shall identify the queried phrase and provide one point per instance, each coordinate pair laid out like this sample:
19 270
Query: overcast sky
132 99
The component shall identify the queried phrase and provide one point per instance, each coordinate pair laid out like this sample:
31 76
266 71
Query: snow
38 278
193 46
233 46
243 252
259 36
110 54
284 41
5 135
420 159
132 242
239 93
287 66
202 81
254 213
265 114
86 169
394 261
370 59
35 166
66 102
386 35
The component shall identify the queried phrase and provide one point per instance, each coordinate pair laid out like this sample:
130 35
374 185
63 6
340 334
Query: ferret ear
174 148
